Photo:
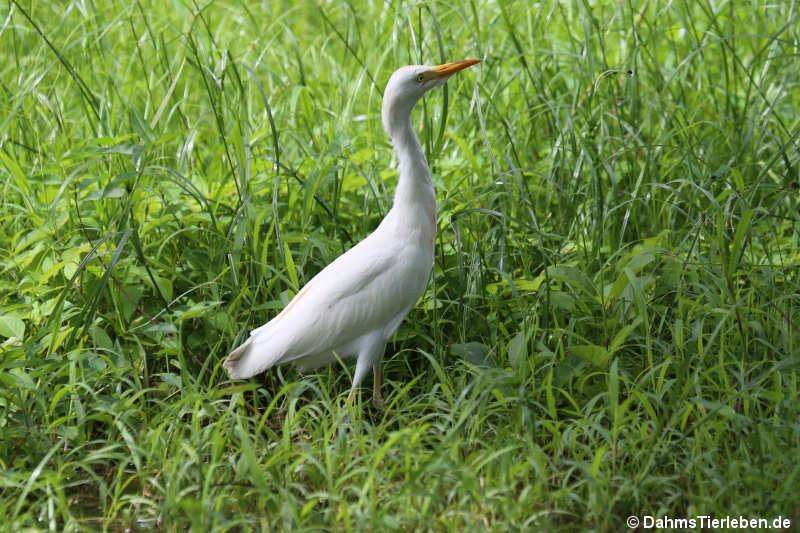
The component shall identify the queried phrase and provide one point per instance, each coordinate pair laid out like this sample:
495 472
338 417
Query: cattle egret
356 303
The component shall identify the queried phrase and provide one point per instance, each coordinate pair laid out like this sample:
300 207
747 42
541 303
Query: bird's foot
378 401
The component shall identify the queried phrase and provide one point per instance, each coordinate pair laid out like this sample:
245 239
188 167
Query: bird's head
408 84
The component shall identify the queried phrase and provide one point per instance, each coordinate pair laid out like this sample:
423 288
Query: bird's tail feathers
240 363
255 355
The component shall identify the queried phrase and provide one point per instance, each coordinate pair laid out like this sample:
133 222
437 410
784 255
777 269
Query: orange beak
448 69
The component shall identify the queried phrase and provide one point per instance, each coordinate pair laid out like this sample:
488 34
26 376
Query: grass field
612 326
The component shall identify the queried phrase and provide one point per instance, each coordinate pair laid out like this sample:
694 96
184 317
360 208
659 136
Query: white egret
356 303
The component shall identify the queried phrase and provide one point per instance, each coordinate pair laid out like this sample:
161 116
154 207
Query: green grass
612 327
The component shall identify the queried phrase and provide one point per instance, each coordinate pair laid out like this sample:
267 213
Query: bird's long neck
414 186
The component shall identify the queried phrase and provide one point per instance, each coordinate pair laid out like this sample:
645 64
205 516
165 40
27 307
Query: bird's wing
360 292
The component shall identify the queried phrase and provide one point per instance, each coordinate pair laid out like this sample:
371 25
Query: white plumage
356 303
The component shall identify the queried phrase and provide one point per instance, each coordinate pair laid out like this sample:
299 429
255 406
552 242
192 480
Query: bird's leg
362 367
370 354
351 397
377 377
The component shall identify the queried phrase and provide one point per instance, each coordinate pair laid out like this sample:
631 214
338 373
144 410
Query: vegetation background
611 327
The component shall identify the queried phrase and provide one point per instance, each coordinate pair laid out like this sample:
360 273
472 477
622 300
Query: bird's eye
420 78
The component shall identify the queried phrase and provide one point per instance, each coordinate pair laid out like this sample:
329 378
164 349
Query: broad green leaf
597 355
622 335
101 338
518 348
573 277
562 300
640 260
195 310
520 284
11 326
18 378
19 176
171 379
567 368
474 353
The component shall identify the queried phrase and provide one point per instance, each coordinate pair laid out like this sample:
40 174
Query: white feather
355 304
368 289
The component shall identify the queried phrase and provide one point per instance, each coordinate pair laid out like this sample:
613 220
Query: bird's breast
419 238
412 238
